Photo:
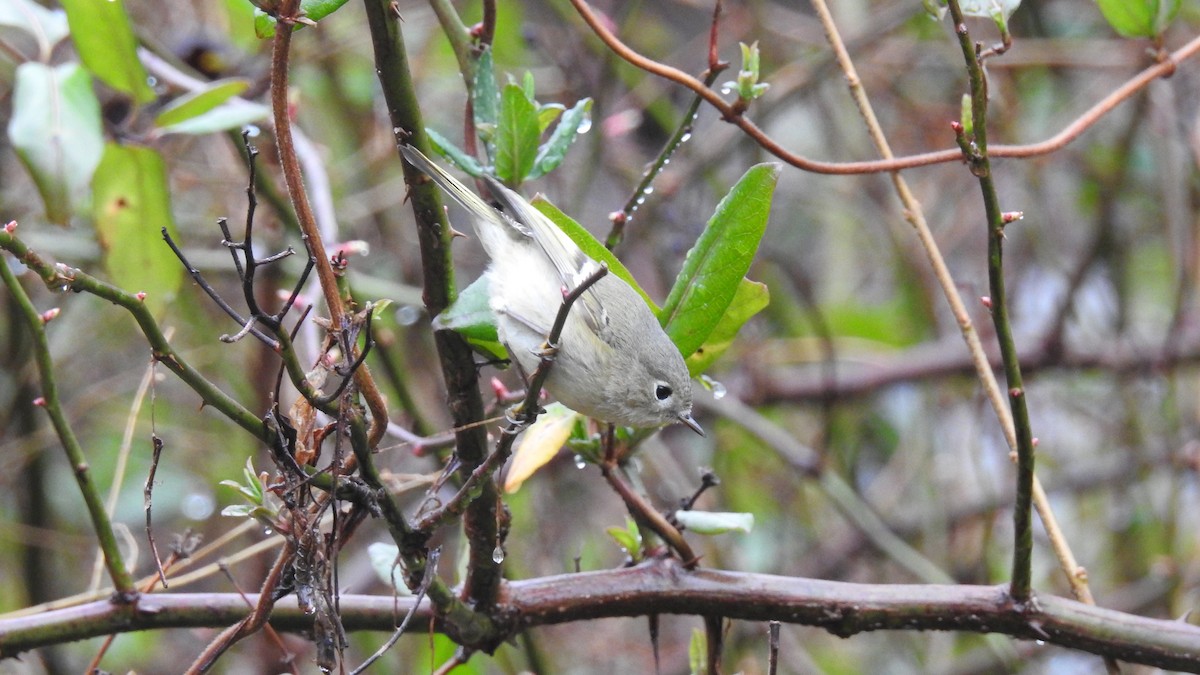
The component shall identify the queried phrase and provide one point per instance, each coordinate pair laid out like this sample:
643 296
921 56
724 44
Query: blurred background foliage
856 360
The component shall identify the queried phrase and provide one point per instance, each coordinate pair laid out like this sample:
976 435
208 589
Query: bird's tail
489 222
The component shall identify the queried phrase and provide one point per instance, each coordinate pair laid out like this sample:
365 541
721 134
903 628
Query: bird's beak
692 424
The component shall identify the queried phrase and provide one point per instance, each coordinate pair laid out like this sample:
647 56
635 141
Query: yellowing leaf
540 443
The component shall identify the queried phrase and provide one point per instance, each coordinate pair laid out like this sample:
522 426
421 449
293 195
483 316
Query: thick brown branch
665 587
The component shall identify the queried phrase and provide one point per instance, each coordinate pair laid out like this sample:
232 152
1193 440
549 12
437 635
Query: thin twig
101 523
715 66
729 114
976 152
434 555
290 164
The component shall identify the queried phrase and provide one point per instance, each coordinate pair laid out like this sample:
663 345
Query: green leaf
965 116
131 205
547 113
239 24
551 154
717 263
237 510
46 27
750 299
628 538
516 136
104 39
313 10
199 102
1131 18
234 114
471 316
590 245
714 522
56 131
446 148
486 102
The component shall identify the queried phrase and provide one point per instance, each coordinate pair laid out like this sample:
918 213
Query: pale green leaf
199 102
56 130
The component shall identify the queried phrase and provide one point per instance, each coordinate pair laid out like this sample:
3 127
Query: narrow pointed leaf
551 154
55 129
516 136
233 114
455 154
717 263
485 102
130 206
104 38
199 102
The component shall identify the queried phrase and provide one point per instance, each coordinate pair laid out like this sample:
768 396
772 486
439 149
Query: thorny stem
58 277
731 115
458 366
980 165
290 164
101 523
1075 574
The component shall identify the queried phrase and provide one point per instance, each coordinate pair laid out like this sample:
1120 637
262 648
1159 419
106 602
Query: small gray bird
614 361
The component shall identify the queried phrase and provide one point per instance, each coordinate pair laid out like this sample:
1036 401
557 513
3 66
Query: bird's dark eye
662 392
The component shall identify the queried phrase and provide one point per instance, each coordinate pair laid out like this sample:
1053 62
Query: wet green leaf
551 154
590 245
471 316
750 298
485 100
455 154
715 266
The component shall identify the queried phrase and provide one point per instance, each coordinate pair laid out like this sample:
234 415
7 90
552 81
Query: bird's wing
573 265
